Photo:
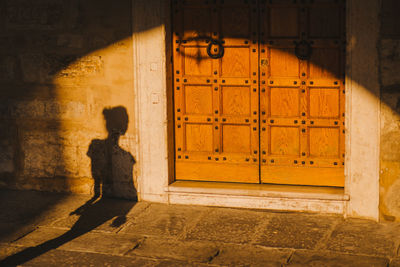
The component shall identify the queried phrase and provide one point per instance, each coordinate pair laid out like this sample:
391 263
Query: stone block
41 14
395 262
390 22
8 68
390 62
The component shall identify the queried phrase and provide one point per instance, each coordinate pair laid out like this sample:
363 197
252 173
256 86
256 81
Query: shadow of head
116 120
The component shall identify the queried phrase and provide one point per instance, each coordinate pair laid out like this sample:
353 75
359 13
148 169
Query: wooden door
261 112
216 100
302 100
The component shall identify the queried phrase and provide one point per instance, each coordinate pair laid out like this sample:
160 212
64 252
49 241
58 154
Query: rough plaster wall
390 111
61 63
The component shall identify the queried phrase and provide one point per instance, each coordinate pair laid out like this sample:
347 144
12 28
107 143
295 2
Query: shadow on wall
112 173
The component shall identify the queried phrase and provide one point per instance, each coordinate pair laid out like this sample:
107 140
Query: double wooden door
259 91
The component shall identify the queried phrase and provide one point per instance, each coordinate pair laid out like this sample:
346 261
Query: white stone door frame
151 21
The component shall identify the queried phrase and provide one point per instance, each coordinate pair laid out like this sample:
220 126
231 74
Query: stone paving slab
365 237
73 258
126 233
229 225
197 251
12 231
164 220
302 258
296 230
249 255
88 242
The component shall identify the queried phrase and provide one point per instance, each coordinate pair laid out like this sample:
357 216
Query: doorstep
261 196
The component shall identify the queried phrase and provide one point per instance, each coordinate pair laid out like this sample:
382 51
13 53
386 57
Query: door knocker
303 50
220 49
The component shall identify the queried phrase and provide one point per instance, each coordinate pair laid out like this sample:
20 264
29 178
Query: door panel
216 100
302 121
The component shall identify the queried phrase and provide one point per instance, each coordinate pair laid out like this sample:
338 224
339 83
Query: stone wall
389 50
62 62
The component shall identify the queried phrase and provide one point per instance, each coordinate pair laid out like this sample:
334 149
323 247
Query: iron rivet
264 160
179 157
312 122
215 88
271 121
216 159
272 161
271 82
179 149
186 157
295 162
208 119
185 80
216 112
247 159
215 72
335 163
223 81
311 162
303 130
178 110
247 120
216 127
303 153
223 119
263 90
254 128
295 121
255 151
224 158
263 128
303 162
336 123
209 158
255 112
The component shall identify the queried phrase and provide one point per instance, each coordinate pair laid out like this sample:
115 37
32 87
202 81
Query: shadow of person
112 171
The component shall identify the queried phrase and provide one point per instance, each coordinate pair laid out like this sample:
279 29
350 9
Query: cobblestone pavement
45 229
